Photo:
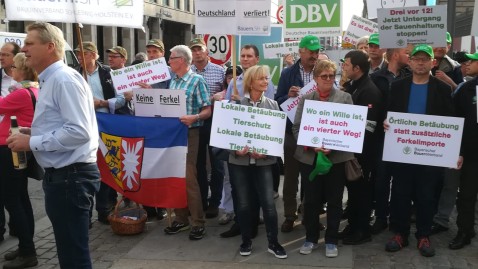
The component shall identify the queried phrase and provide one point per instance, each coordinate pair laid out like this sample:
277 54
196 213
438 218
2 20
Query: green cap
310 42
156 43
424 48
197 42
88 46
473 56
448 38
374 39
120 50
342 60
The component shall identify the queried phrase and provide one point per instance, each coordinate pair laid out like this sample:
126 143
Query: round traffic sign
280 14
219 47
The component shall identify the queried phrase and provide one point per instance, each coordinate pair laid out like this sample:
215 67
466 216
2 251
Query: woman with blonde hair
20 103
251 172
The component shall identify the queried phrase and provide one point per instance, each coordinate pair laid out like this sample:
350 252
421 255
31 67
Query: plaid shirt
306 77
197 93
214 76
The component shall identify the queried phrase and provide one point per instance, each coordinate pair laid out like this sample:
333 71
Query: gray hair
49 33
183 52
141 56
362 40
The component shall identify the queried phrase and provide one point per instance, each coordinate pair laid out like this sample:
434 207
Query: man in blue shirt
64 140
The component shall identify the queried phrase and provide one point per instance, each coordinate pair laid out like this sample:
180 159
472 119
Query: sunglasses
326 77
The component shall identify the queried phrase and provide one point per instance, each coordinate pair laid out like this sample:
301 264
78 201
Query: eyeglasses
326 77
420 59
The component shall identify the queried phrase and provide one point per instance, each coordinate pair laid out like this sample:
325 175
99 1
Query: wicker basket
127 221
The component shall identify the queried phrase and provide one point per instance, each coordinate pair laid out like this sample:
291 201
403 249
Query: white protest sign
474 23
333 126
318 17
280 49
120 13
359 27
423 139
374 5
412 25
159 103
148 72
236 126
289 106
236 17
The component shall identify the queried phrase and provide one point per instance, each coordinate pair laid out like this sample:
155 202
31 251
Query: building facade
169 20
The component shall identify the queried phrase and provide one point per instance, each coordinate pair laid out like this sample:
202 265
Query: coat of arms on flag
144 158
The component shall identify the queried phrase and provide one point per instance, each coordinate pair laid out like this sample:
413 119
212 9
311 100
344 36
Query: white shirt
7 81
64 129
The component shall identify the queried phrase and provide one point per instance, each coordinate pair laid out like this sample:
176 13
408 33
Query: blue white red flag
144 158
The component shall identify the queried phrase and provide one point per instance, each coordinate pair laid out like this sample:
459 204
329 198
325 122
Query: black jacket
465 106
439 102
365 93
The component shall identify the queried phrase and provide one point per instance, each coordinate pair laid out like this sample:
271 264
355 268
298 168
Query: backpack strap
34 100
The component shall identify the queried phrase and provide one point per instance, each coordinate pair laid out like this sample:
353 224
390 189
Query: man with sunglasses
424 94
364 93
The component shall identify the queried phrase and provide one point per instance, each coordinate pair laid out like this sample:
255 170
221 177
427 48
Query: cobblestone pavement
108 249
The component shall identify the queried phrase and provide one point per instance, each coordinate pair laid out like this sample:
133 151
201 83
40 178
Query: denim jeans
69 193
448 195
217 169
418 183
330 185
14 186
252 185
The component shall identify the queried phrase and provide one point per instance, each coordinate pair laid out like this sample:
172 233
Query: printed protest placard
148 72
423 139
412 25
119 13
359 27
236 126
474 23
333 126
319 18
236 17
289 106
159 102
279 50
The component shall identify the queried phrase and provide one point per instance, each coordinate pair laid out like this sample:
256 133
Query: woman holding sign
329 183
251 172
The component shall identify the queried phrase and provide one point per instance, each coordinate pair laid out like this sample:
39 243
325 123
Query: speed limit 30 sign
219 47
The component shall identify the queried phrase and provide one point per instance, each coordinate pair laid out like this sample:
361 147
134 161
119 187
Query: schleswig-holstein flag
144 158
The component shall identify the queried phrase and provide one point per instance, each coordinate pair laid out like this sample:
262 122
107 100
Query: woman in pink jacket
14 183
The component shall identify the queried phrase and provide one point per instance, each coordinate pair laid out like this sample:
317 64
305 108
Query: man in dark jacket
446 69
397 68
418 94
465 106
292 79
104 94
364 93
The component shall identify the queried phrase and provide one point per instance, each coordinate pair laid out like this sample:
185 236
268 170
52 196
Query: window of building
166 2
187 5
177 4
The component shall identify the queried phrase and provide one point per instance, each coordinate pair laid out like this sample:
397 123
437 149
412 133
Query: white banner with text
236 126
159 103
423 139
333 126
289 106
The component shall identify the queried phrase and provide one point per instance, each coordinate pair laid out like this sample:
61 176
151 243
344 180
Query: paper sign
289 106
236 17
333 126
358 28
412 25
474 23
281 49
318 17
236 126
423 139
159 103
148 72
118 13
